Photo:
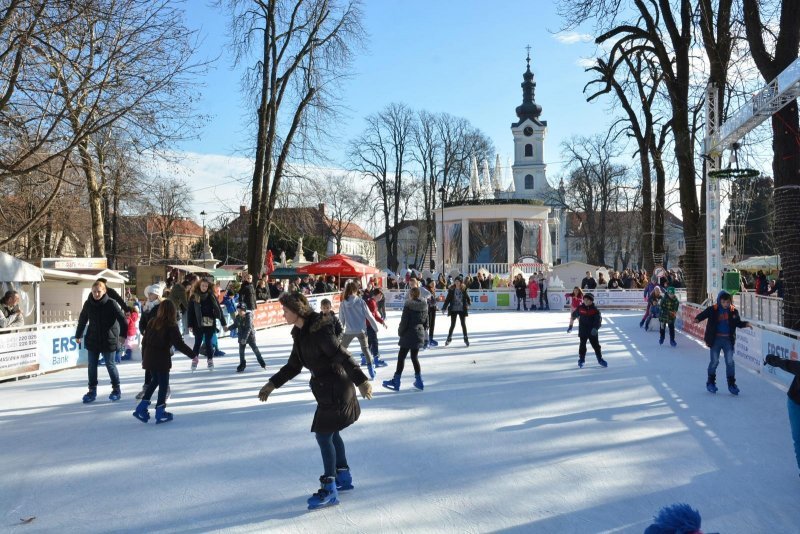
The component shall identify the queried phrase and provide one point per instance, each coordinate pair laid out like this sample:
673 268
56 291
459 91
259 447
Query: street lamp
203 216
442 191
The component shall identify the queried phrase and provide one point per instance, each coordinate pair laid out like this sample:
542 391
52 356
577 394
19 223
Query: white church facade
504 230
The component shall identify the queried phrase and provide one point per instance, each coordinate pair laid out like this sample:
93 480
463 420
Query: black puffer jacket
589 318
106 323
413 324
333 373
521 288
247 294
451 296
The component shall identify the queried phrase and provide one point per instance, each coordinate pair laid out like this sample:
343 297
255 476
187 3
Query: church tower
529 132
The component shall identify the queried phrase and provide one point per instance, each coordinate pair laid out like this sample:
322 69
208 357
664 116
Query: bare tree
593 189
382 153
168 202
772 55
343 202
302 48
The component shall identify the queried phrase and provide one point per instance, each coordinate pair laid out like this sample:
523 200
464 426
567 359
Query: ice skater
204 312
669 312
412 332
333 374
720 335
243 324
793 400
432 309
456 304
162 334
653 307
589 321
326 308
355 315
104 335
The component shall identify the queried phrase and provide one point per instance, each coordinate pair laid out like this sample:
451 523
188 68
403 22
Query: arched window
529 150
528 181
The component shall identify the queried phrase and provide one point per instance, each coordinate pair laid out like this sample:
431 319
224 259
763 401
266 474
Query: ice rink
508 436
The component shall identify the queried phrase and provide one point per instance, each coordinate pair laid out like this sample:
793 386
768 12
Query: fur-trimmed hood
417 305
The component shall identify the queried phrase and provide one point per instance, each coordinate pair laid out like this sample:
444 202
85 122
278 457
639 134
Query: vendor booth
340 266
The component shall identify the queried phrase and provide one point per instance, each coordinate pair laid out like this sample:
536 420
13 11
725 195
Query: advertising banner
748 350
780 345
685 321
270 313
59 350
19 353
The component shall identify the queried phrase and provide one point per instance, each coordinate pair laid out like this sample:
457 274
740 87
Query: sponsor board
270 313
748 348
19 353
784 346
59 349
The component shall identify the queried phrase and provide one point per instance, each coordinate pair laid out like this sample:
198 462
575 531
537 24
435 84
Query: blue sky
465 58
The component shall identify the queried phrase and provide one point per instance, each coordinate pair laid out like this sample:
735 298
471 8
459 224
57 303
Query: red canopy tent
338 265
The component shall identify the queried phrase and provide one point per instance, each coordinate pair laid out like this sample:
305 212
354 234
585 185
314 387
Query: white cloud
573 37
586 62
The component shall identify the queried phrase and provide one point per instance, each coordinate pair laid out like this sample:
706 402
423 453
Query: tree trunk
647 211
95 200
658 214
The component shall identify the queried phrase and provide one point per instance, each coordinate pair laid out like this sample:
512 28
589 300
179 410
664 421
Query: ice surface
509 435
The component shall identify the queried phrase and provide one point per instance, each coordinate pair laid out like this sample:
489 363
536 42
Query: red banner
270 313
686 315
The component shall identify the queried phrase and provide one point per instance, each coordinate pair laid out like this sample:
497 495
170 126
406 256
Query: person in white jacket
354 315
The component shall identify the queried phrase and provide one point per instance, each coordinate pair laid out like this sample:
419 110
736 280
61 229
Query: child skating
589 320
243 323
723 320
669 312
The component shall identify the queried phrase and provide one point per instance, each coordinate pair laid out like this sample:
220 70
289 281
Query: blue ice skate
580 364
377 362
394 383
418 382
732 387
141 413
326 496
90 396
344 480
162 415
363 360
433 343
711 387
602 362
673 343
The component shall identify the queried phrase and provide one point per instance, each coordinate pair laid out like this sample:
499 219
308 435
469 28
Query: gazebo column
465 246
510 243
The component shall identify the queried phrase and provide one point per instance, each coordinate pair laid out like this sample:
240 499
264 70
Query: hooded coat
669 308
106 324
589 317
156 353
413 324
712 314
333 373
196 309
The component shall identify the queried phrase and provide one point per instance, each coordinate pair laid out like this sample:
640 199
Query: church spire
529 109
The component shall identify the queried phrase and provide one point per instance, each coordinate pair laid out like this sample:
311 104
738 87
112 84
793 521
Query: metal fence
761 308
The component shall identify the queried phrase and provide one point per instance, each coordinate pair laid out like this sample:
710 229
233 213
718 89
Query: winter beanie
676 519
588 296
671 290
296 302
155 289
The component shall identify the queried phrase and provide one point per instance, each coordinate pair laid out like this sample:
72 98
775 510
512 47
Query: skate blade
332 502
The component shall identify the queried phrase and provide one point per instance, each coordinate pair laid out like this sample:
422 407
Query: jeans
372 341
333 455
722 343
462 315
401 361
160 380
251 340
595 345
113 373
362 339
794 422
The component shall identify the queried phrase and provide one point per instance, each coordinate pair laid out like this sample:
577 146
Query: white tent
16 270
572 272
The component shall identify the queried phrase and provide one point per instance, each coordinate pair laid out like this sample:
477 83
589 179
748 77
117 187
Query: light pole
442 191
203 216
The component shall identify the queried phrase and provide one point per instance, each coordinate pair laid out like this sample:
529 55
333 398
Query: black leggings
524 300
205 336
663 330
431 321
453 316
401 361
595 345
160 380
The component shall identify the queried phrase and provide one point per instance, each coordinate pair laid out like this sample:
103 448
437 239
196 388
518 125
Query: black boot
734 390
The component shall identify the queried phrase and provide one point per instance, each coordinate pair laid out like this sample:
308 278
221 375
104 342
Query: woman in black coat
333 373
457 304
204 312
521 289
106 333
162 334
413 325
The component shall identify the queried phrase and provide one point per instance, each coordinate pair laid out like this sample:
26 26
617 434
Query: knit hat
588 296
671 290
155 289
241 306
676 519
296 302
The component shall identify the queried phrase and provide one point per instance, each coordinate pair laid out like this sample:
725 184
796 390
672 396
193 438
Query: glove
593 332
366 389
772 360
569 329
268 388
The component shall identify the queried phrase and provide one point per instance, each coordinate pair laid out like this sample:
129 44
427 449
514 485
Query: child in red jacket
132 316
533 291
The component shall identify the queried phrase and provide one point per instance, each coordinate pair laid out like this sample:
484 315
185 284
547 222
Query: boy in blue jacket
723 320
589 320
229 303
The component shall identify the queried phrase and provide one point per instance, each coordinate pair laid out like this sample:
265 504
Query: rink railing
762 308
503 298
41 348
752 344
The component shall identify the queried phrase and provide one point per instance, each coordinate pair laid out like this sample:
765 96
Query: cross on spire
528 48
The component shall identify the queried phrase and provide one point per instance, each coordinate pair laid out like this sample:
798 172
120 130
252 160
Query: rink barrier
558 299
752 344
37 349
270 313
